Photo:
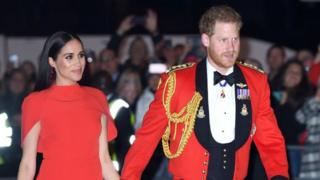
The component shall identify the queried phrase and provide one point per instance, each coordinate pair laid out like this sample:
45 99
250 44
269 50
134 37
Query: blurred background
129 43
294 23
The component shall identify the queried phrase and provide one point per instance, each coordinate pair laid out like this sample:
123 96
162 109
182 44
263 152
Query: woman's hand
125 25
110 173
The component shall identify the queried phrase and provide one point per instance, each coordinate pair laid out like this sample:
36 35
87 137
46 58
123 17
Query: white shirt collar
211 69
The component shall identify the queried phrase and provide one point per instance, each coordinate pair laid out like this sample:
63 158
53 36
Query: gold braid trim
187 116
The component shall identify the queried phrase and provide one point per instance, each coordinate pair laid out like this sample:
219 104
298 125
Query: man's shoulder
250 67
181 67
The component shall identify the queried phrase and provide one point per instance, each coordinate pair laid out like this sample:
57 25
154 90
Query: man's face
223 46
109 61
276 59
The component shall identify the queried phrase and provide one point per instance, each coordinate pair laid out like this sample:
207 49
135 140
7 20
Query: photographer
149 22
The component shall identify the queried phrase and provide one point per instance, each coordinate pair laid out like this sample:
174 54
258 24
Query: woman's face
293 76
69 64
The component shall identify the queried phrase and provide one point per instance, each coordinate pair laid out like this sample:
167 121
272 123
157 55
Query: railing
302 149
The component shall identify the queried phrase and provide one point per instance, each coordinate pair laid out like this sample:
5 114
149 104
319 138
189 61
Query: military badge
244 110
201 113
241 85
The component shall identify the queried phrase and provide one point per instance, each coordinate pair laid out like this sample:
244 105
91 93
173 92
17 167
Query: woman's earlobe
51 62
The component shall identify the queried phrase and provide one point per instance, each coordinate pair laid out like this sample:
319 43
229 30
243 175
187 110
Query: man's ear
205 39
52 63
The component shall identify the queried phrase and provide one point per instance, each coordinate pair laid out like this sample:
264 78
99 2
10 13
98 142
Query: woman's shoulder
94 93
34 99
36 96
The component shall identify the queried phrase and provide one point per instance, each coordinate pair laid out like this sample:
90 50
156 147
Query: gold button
206 153
224 150
205 163
224 167
224 161
224 155
203 171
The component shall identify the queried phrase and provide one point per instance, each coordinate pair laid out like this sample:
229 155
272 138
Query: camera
139 20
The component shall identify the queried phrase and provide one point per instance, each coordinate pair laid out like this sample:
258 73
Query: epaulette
180 66
250 66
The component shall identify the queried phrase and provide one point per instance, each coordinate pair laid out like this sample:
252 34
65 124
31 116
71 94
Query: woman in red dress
70 124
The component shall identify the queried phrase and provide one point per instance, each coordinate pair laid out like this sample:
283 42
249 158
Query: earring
52 75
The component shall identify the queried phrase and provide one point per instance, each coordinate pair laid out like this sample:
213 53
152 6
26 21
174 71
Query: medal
222 94
244 110
201 113
243 94
222 84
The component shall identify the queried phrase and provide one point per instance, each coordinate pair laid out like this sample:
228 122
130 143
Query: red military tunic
193 162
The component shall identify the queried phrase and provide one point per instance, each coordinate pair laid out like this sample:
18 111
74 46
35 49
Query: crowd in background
130 85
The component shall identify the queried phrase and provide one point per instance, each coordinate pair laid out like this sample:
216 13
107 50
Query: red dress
70 118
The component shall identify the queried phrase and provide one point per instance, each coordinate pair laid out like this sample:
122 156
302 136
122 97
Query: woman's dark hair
52 47
297 94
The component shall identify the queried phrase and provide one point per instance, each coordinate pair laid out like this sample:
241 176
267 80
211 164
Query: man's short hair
216 14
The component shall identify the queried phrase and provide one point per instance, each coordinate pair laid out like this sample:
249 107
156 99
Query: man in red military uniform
209 113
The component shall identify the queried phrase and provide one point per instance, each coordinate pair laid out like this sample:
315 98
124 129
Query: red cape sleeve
30 116
111 128
100 98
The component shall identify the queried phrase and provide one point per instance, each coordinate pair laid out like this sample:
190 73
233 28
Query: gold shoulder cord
250 66
187 116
